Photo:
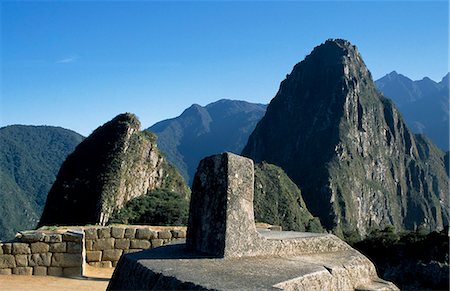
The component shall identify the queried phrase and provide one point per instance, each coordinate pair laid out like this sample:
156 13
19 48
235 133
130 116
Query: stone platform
225 251
173 267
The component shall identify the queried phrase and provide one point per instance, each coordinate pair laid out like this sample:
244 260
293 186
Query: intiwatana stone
221 208
113 165
348 148
224 251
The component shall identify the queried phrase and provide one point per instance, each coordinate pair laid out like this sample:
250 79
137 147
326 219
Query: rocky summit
348 148
115 164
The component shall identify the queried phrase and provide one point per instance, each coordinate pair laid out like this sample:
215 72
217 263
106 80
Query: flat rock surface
270 234
172 266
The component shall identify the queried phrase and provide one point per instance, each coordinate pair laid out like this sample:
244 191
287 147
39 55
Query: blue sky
78 64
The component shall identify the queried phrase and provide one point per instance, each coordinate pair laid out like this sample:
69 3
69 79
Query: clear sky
78 64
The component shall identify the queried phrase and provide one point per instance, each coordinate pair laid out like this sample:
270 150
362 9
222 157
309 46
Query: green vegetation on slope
30 157
278 201
113 165
158 207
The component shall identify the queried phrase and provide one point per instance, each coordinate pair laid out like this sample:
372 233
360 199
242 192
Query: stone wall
43 253
105 245
65 251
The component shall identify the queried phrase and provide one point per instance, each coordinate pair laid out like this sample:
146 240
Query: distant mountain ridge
423 103
348 148
205 130
30 157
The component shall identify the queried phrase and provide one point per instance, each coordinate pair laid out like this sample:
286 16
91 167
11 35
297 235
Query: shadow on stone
224 250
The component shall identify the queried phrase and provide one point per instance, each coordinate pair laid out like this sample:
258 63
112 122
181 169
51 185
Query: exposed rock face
116 163
221 219
349 150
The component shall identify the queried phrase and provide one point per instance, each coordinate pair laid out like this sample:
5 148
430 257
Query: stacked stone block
64 252
39 253
105 245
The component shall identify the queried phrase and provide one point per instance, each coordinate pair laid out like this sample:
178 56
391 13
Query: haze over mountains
31 156
201 131
424 104
226 124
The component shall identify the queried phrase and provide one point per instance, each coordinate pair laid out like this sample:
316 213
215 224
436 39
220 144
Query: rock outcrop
115 164
348 148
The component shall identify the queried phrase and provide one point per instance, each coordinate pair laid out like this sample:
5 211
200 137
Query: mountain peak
337 57
393 73
323 129
335 48
194 110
